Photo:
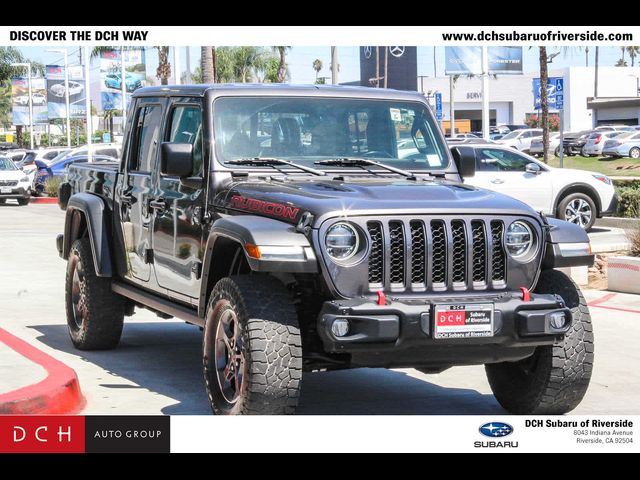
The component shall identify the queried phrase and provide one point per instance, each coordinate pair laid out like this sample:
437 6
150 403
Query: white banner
417 434
310 35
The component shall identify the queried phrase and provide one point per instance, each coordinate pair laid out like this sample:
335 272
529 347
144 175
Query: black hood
287 199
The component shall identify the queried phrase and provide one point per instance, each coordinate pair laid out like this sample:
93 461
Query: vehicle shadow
165 358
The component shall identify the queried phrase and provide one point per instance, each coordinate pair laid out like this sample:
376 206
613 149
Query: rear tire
95 315
252 349
634 153
578 208
554 380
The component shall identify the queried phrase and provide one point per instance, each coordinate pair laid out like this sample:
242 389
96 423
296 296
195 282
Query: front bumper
401 333
612 208
16 193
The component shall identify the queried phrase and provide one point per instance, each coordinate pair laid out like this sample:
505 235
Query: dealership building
511 99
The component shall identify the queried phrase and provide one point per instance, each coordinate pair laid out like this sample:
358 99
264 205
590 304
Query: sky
300 60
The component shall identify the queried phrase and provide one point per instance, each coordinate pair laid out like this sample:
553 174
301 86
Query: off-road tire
271 346
555 379
101 311
562 208
23 202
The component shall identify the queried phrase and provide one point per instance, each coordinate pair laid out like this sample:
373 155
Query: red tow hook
526 294
382 299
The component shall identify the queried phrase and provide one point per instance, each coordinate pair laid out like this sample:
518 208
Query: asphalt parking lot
157 368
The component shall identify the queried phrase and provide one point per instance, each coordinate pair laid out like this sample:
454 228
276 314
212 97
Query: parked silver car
596 141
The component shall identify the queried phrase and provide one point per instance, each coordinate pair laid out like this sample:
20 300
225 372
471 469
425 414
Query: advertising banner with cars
468 60
20 100
57 95
111 76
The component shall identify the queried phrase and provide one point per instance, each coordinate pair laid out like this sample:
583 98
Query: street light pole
66 97
28 67
87 101
123 89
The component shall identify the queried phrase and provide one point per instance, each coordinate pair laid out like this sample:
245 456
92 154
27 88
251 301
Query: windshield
6 164
307 130
511 135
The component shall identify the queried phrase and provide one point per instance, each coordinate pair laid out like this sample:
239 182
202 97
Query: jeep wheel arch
85 215
231 235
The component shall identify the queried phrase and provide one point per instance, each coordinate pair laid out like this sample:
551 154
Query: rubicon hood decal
260 206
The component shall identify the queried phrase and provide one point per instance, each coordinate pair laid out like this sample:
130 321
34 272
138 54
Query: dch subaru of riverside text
321 228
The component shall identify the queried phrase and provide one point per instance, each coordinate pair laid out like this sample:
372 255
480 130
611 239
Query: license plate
463 321
6 189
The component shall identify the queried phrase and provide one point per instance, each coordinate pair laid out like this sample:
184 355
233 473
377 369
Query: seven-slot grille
420 255
8 183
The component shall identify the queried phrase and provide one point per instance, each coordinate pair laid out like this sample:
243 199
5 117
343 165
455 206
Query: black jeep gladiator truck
319 228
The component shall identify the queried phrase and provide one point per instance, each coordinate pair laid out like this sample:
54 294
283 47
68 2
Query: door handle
158 204
497 181
126 200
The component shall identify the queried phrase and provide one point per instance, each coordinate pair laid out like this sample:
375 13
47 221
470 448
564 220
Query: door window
498 160
186 127
146 136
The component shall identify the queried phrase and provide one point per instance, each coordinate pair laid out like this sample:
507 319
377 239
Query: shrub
629 202
634 238
51 186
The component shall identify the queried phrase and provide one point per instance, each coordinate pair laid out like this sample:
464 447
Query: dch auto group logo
35 434
495 431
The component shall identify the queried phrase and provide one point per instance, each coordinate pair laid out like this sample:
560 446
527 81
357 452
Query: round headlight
519 239
341 241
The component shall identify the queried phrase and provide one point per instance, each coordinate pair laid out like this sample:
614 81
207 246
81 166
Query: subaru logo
496 429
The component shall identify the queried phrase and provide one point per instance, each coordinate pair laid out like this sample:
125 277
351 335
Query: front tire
554 380
95 315
252 349
23 202
578 208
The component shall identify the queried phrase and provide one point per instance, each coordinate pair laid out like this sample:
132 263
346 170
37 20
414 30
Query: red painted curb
598 304
43 201
59 393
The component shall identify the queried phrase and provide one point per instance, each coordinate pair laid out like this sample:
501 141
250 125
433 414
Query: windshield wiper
273 162
361 162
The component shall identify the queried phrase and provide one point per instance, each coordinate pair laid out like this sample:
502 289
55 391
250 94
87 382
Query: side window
186 127
109 152
146 135
497 160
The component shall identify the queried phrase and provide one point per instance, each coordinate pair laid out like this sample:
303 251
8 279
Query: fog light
558 320
340 327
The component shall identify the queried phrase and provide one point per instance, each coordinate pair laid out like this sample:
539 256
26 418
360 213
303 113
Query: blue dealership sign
438 106
555 93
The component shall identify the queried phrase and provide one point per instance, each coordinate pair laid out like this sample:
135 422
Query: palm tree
206 65
163 72
282 66
544 102
633 53
623 50
621 63
317 66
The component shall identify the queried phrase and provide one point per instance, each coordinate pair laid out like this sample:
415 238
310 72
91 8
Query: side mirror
533 168
465 158
176 159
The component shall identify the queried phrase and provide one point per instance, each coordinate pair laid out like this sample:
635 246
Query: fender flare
263 232
567 245
93 209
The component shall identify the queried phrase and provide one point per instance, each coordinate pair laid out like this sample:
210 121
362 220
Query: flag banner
20 100
57 92
111 76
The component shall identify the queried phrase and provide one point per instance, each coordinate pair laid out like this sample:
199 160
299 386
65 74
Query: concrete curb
617 222
58 393
43 201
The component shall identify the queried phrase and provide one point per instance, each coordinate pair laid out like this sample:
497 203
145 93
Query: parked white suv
576 196
520 139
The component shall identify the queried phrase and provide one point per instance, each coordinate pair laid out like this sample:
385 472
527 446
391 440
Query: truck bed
99 178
